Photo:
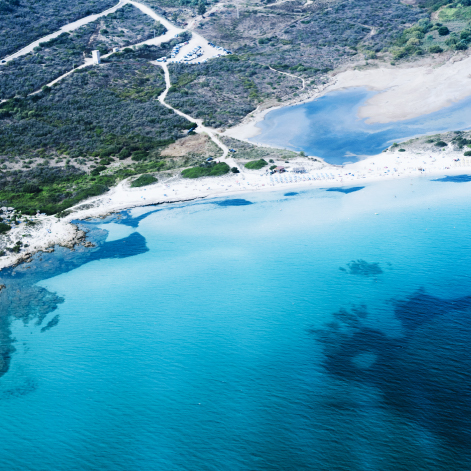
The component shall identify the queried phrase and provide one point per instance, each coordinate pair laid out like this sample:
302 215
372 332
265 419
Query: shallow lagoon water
300 332
329 127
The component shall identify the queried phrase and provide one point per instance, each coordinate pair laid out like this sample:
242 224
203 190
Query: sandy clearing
196 144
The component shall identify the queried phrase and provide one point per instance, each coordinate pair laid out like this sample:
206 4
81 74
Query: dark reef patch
53 322
454 179
126 218
346 190
424 375
234 202
291 193
363 268
23 299
26 387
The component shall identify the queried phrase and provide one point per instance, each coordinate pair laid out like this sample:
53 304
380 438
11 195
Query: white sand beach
50 231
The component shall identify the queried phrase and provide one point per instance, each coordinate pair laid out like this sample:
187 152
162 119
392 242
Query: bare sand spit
407 93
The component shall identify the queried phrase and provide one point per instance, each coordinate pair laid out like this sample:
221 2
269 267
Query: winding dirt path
200 128
290 75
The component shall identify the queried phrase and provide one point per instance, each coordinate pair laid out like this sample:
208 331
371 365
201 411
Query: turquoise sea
329 127
318 330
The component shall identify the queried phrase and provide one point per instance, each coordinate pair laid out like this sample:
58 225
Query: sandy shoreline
50 231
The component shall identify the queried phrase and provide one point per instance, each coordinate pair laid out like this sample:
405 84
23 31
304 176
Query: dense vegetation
52 59
22 22
318 36
48 190
209 169
224 91
433 38
256 164
125 27
59 55
113 106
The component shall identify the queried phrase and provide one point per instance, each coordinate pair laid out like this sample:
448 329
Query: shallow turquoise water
329 126
297 332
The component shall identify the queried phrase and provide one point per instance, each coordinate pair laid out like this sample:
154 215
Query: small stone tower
96 57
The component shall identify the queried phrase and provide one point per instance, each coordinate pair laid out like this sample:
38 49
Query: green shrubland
143 180
256 164
4 227
214 170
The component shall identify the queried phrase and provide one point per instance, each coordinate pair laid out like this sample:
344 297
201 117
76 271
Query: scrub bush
4 228
256 164
443 31
143 180
209 171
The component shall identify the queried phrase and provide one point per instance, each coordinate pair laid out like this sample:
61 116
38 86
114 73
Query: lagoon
329 127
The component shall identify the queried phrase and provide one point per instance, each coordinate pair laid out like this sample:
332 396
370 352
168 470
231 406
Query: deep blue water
346 190
329 127
326 331
455 178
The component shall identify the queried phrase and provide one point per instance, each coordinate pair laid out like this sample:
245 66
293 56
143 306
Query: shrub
441 144
467 153
109 151
256 164
461 46
443 31
139 155
143 180
31 188
211 171
435 49
4 228
465 35
96 171
235 170
402 150
201 9
273 167
124 154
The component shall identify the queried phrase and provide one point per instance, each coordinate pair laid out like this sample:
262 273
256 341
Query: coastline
51 231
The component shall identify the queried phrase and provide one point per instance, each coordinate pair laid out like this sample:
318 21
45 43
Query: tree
436 49
443 31
201 8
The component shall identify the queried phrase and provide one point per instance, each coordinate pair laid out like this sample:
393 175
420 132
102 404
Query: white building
96 57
